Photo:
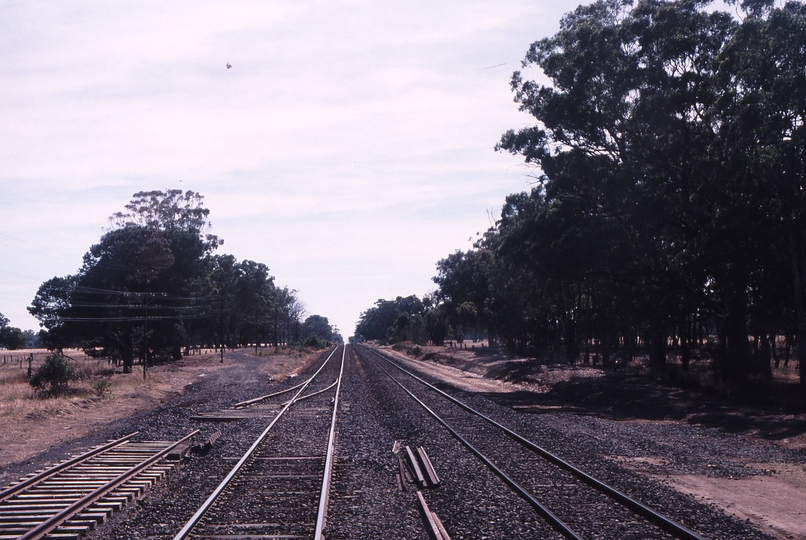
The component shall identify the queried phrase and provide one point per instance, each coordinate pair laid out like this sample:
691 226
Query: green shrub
316 342
54 375
103 387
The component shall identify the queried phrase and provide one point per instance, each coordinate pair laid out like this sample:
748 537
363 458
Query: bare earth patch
480 362
775 504
774 501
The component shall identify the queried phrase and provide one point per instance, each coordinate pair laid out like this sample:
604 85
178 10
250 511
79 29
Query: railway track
72 497
575 504
279 488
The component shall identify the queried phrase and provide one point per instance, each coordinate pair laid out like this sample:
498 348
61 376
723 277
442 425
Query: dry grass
30 423
20 400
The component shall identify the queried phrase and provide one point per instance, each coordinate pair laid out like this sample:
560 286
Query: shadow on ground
621 397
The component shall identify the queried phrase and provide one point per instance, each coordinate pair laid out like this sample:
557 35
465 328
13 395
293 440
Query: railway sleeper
203 447
52 536
67 529
179 452
43 504
81 521
78 530
35 519
287 475
8 516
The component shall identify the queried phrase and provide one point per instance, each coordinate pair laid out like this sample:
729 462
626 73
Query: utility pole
145 335
221 316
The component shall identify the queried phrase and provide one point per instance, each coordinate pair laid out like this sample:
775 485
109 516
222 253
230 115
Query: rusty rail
62 516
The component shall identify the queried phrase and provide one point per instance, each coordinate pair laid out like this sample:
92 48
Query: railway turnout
279 488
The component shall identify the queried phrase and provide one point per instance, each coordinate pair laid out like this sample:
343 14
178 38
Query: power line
136 294
136 306
136 319
49 251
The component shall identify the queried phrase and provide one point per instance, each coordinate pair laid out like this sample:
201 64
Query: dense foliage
402 319
14 338
153 286
317 330
669 206
54 375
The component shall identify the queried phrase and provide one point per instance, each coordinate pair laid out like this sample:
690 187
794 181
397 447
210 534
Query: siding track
72 497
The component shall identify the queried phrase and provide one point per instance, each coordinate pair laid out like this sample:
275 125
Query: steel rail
194 520
20 486
267 396
324 494
314 394
44 528
263 398
555 522
659 519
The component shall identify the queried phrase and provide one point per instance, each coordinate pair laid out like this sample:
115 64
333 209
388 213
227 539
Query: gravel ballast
366 499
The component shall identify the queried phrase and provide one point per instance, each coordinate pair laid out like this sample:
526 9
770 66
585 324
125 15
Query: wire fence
21 360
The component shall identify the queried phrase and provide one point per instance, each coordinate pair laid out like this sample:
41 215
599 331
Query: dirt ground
775 502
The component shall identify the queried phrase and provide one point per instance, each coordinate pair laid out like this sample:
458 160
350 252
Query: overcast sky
349 147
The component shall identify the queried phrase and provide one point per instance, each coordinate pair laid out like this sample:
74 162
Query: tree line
669 197
153 286
13 338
